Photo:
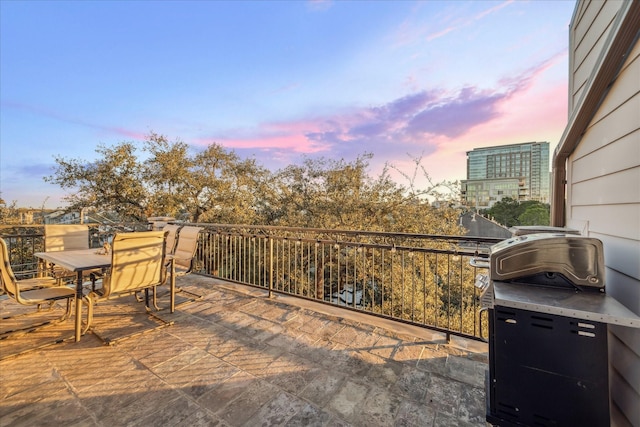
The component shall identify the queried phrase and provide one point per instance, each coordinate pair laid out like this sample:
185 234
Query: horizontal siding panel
591 46
612 220
581 9
619 188
576 96
624 348
622 121
620 284
584 24
620 155
629 336
625 400
625 362
626 86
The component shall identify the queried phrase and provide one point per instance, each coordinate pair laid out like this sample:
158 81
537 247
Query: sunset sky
278 81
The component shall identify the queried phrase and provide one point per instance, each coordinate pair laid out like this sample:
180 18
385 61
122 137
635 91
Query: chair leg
162 322
51 304
89 300
155 298
69 310
192 296
138 297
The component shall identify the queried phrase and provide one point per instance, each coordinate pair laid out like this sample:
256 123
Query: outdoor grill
548 319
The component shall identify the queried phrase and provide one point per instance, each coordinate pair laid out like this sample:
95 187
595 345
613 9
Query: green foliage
9 214
211 185
537 214
335 194
114 182
510 212
214 185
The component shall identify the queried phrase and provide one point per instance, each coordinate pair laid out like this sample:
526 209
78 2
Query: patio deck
239 358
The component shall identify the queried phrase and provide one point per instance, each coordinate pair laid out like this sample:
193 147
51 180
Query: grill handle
479 262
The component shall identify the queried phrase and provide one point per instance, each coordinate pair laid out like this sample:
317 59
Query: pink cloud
293 142
437 124
44 112
296 136
528 115
470 20
425 121
319 5
286 88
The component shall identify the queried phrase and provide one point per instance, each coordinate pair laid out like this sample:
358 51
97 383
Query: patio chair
65 237
37 292
137 264
186 249
171 231
183 258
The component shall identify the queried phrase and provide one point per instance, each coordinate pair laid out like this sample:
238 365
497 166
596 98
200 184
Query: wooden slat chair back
137 264
39 291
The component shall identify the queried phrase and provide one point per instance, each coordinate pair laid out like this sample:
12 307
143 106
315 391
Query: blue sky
277 80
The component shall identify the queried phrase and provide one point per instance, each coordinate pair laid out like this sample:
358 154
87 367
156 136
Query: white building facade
517 171
596 170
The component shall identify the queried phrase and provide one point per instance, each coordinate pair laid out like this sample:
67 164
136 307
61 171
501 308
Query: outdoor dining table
82 260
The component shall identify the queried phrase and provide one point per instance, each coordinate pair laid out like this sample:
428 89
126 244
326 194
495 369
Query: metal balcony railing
424 280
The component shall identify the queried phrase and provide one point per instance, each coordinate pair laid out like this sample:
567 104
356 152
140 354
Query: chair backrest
171 236
60 237
186 247
9 281
137 262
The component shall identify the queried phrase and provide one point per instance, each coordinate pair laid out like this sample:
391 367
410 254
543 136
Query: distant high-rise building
518 171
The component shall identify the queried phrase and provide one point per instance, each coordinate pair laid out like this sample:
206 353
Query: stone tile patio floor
239 358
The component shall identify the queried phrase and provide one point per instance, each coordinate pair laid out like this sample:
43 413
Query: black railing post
271 278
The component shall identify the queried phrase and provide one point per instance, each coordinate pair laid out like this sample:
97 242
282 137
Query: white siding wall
603 188
591 26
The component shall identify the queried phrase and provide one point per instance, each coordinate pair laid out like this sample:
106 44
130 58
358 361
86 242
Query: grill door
547 370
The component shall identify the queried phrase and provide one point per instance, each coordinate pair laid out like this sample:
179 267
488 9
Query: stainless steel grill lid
549 259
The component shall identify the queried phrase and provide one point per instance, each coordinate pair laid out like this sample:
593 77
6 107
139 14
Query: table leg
79 306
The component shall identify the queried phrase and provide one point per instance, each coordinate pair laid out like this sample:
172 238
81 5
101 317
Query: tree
114 182
166 173
440 192
211 185
223 188
510 212
215 185
9 214
333 194
536 214
336 194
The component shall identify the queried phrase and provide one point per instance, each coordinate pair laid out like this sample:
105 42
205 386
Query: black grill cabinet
548 320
